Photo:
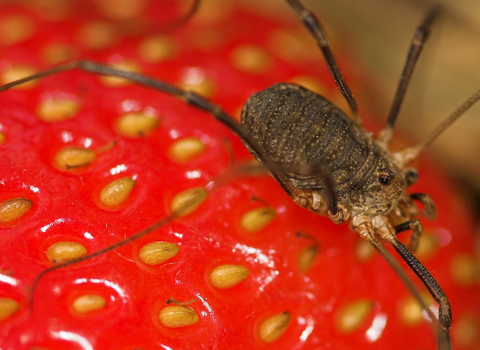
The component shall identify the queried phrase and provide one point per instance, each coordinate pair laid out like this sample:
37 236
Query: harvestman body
322 159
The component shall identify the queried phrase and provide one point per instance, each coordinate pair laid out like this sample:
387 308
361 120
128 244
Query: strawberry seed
135 125
65 251
257 219
227 276
117 191
57 109
307 257
88 303
250 59
13 209
185 149
177 316
8 307
155 253
273 327
186 202
72 157
351 316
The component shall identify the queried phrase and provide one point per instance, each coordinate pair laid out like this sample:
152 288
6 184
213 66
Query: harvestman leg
417 230
419 38
314 27
414 224
444 311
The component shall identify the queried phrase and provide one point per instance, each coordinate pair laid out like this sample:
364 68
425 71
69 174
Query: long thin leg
444 310
365 229
421 35
417 230
313 25
366 232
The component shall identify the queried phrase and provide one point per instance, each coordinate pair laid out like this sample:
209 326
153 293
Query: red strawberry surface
299 282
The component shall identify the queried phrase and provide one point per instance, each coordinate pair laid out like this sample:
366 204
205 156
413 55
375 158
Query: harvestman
326 182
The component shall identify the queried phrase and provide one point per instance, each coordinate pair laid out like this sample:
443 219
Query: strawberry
88 162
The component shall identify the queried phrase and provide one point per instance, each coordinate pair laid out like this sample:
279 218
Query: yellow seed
188 201
13 209
364 251
135 124
250 59
351 316
273 327
121 9
464 270
57 109
185 149
17 72
88 302
55 53
62 252
117 191
257 219
307 257
111 81
466 331
310 83
71 157
206 88
2 138
427 246
96 35
213 11
411 311
228 276
206 39
292 46
15 28
8 307
157 252
177 316
195 79
157 48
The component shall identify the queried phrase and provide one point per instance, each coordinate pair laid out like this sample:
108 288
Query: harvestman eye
386 177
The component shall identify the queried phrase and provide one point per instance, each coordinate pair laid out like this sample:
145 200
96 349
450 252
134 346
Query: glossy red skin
66 207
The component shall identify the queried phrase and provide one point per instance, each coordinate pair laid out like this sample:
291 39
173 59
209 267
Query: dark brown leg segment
444 311
417 229
314 27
